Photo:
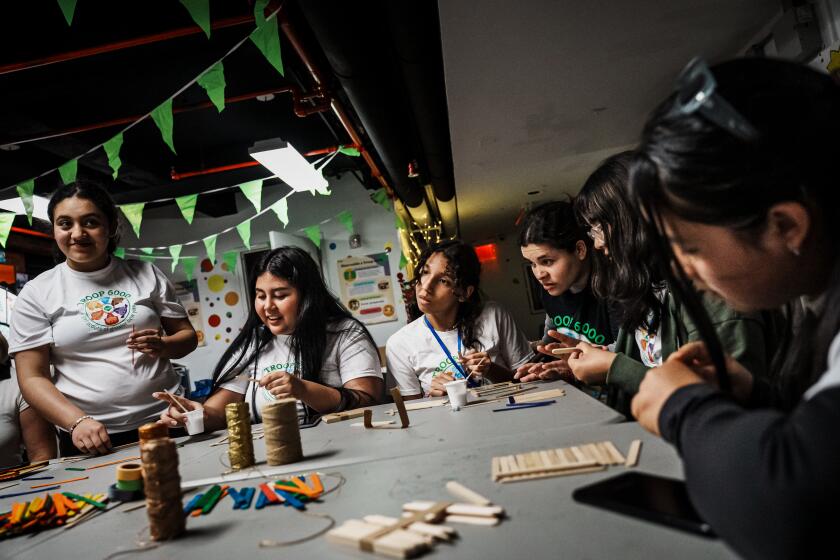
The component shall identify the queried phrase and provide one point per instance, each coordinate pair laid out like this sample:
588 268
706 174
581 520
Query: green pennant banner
314 233
349 151
112 150
187 206
281 208
253 192
134 214
259 11
381 198
213 82
26 190
147 250
398 221
267 40
119 252
403 261
210 245
6 221
68 171
147 258
162 115
200 12
175 252
68 8
244 230
188 264
229 258
346 218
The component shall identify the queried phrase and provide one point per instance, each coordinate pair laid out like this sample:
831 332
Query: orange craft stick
316 483
60 508
60 482
303 488
17 511
100 465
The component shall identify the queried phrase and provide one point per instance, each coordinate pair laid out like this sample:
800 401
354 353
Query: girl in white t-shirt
298 341
457 335
107 326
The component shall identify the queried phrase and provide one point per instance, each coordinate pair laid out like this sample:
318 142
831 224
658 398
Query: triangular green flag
403 260
187 206
314 233
267 40
213 82
230 258
253 192
281 208
346 218
381 198
349 151
68 8
6 220
210 245
68 171
147 258
162 115
188 264
175 251
200 12
26 190
244 230
112 150
134 214
398 221
147 250
119 252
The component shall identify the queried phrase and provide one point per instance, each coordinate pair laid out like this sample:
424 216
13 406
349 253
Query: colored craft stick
291 500
207 496
317 485
60 482
211 503
60 509
16 494
304 489
17 511
74 469
517 406
269 494
247 497
261 501
100 465
79 498
192 503
28 478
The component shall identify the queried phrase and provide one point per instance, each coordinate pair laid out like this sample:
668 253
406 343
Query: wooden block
341 416
398 401
633 453
460 491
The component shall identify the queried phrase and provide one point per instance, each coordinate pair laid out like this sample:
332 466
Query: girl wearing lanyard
457 335
298 341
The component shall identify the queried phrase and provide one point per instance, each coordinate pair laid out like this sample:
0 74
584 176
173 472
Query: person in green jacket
655 323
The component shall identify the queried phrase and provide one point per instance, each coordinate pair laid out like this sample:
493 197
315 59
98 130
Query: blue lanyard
446 350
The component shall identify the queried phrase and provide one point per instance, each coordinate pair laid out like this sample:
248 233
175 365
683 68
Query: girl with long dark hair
736 177
458 334
298 341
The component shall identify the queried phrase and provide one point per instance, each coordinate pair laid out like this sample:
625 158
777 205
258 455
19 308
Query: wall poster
367 288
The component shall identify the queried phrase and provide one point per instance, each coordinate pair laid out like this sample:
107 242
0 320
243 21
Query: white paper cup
457 391
194 421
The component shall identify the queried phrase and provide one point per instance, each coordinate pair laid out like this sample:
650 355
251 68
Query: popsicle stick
460 491
633 453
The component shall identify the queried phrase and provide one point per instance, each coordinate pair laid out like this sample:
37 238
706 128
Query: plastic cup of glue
194 420
457 392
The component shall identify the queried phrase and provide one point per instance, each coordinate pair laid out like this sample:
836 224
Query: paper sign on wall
367 288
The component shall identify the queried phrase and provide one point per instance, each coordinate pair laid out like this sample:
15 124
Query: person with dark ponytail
656 324
560 255
736 178
458 334
298 341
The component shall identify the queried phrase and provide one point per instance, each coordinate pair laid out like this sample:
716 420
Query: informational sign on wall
367 288
187 292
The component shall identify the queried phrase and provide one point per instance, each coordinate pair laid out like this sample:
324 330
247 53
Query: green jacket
751 338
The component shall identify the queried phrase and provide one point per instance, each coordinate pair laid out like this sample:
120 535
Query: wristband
77 422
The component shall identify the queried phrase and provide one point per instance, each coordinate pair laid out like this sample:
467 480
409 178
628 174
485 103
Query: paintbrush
171 398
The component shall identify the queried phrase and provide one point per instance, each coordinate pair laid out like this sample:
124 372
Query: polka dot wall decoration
216 283
214 320
231 298
206 265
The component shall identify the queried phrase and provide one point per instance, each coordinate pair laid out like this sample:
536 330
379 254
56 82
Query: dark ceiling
51 99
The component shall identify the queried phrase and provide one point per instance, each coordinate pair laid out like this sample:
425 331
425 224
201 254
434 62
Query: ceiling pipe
120 45
299 100
31 232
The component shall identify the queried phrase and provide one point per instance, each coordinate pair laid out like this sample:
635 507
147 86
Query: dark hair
554 224
465 268
691 168
629 275
100 198
318 310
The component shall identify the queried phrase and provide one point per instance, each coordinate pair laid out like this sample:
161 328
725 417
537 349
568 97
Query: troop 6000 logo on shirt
107 309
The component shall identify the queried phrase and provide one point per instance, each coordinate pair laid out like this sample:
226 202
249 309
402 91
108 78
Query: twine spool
240 444
162 482
282 434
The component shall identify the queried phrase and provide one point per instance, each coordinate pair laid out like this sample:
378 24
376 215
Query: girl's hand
656 388
476 363
591 364
696 356
563 341
174 416
147 341
90 436
283 385
437 389
549 371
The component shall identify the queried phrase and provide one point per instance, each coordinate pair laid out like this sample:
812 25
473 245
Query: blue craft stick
191 504
517 406
39 491
37 478
247 497
290 499
234 496
261 501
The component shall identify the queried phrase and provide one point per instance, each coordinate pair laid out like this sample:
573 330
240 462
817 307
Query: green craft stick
209 500
74 469
77 497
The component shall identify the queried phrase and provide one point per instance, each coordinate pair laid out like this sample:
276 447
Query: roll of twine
129 471
282 434
162 484
240 444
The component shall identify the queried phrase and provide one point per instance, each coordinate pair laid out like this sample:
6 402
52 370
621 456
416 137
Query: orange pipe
119 45
30 232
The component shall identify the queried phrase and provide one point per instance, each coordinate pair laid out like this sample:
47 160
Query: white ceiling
540 91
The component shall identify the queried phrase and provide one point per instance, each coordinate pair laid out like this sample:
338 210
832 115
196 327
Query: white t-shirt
85 319
11 405
349 355
414 357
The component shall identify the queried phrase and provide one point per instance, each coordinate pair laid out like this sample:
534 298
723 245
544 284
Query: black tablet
653 498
